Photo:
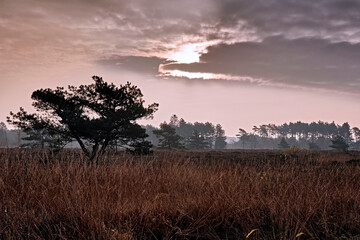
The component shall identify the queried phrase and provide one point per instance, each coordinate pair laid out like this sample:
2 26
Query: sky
239 63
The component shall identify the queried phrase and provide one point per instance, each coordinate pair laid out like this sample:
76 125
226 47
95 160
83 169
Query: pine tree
94 115
220 138
339 143
197 141
167 137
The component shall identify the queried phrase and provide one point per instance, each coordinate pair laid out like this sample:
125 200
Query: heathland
225 194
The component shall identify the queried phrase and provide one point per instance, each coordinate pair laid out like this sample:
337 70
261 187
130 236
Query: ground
227 194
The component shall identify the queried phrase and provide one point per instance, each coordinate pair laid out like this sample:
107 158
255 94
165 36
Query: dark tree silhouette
42 139
220 138
197 141
299 134
94 115
356 132
168 137
243 136
339 143
186 129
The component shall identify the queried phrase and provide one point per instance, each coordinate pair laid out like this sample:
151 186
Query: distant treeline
10 138
198 135
314 135
191 135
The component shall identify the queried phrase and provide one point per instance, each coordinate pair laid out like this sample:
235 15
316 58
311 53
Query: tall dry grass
180 195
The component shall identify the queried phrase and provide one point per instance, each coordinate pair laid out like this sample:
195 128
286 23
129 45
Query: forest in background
314 135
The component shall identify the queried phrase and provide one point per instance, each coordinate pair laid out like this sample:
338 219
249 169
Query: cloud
329 19
144 65
305 63
38 33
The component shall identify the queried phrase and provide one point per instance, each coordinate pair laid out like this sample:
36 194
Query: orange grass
180 195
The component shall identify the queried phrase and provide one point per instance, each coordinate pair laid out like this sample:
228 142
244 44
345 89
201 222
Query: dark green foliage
42 139
243 136
356 133
168 137
283 144
220 138
197 141
247 139
142 147
94 115
339 144
186 129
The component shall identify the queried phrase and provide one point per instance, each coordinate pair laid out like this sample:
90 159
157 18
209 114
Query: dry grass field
180 195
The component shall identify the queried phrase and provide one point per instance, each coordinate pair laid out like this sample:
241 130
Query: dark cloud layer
331 19
317 43
306 62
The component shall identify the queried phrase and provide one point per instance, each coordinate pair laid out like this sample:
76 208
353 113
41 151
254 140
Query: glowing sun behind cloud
190 53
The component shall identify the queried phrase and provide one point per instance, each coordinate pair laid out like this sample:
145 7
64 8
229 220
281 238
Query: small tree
283 144
94 115
168 137
243 136
220 138
356 133
197 141
339 143
42 139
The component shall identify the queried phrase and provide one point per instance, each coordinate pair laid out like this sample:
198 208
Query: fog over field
234 62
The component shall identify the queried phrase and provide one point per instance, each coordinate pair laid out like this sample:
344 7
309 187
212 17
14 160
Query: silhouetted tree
206 130
356 132
243 136
140 147
197 141
283 144
40 138
339 143
345 131
151 136
174 121
168 137
220 138
94 115
186 129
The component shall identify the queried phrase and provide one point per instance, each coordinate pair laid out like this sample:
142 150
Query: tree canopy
168 137
339 144
197 141
220 138
94 115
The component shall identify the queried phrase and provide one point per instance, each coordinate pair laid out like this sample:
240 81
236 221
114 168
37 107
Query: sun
190 53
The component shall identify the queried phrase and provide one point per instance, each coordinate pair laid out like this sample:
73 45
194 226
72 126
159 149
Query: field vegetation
224 194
